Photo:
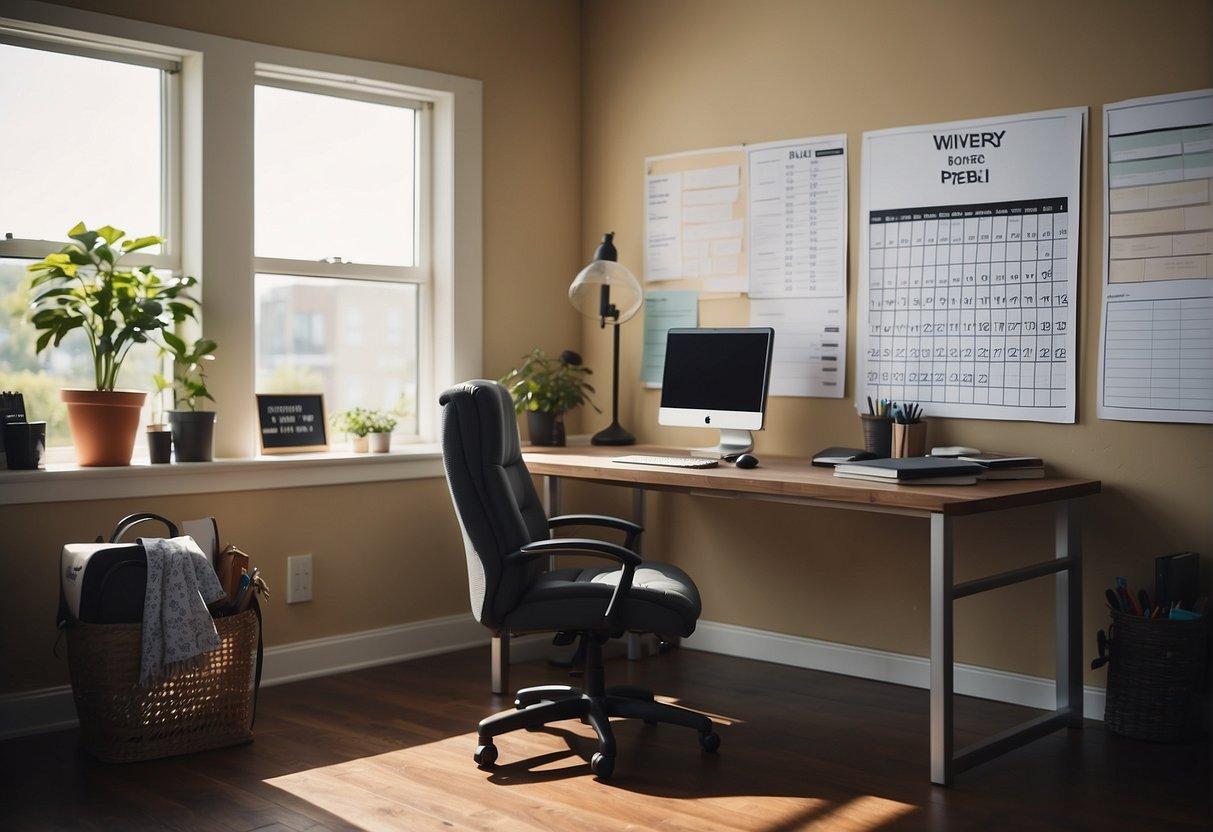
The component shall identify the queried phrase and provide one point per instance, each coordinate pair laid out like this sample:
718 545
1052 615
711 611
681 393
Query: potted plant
85 287
547 388
355 423
383 422
159 437
193 429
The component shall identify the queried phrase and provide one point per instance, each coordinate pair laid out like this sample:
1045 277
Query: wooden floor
390 748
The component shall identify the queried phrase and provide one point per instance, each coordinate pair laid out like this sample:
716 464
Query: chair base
594 705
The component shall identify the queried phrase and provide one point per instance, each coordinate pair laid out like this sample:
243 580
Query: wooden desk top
793 478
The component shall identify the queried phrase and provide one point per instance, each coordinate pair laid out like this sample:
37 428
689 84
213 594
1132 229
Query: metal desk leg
636 646
941 649
551 505
1068 544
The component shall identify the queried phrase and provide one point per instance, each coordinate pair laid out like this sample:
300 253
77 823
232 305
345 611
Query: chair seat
663 600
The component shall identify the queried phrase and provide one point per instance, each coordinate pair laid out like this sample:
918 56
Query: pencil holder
909 440
877 435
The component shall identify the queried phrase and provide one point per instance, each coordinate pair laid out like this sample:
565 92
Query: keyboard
668 461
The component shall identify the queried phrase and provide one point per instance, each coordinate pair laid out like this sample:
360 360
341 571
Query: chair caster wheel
709 741
486 755
603 767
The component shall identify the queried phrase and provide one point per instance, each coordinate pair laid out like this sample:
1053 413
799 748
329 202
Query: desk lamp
609 292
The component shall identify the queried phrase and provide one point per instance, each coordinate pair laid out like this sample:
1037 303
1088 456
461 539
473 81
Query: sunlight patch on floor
542 782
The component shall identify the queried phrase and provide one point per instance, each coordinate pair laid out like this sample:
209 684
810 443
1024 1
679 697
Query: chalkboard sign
291 422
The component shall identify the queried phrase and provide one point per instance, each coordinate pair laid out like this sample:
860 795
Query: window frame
217 78
420 273
170 142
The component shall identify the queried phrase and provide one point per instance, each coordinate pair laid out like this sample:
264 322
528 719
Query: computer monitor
718 378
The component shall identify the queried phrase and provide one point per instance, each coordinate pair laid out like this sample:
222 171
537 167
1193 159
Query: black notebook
911 468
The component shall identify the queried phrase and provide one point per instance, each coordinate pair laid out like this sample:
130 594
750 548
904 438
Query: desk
793 480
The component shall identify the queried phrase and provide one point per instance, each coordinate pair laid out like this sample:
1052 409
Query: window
87 136
340 251
369 371
357 239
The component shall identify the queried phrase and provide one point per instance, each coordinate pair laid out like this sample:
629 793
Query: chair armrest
577 546
633 530
594 548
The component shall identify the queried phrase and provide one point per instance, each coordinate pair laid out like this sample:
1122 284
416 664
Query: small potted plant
355 423
85 287
159 436
383 422
193 429
547 388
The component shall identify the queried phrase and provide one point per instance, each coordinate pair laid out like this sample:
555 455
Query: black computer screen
716 369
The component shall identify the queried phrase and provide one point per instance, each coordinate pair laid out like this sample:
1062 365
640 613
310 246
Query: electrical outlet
299 578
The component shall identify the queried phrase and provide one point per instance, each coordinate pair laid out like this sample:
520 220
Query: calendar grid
969 304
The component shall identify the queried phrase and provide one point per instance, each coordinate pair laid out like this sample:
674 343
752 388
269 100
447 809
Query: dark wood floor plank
390 748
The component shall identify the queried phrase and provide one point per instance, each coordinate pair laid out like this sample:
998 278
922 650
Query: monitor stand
733 443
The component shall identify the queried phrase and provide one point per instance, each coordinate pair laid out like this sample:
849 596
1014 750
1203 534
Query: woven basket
1155 676
208 707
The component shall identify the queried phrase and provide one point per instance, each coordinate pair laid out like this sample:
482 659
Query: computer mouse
746 461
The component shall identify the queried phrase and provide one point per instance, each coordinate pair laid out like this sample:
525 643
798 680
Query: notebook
828 457
919 481
997 460
911 468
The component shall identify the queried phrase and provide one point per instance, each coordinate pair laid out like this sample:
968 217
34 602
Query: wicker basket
209 707
1155 675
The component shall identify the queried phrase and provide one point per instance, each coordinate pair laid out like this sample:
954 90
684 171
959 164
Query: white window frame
214 212
419 274
80 44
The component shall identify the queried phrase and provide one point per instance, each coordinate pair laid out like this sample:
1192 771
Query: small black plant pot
159 446
193 434
545 428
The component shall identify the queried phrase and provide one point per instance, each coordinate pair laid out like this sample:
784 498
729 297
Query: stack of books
1007 466
918 470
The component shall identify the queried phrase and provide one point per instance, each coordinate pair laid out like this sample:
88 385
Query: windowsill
63 483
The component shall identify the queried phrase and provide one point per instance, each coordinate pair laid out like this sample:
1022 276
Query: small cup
159 445
877 435
909 440
25 445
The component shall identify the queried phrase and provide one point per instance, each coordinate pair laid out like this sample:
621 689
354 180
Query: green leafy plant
383 421
549 385
189 370
85 286
357 421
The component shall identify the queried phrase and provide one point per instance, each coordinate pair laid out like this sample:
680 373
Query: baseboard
52 709
881 665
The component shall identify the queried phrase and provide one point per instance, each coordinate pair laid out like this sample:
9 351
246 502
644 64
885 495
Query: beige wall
662 77
680 75
386 553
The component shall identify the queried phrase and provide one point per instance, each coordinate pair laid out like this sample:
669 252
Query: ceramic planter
104 424
193 434
361 444
545 428
380 443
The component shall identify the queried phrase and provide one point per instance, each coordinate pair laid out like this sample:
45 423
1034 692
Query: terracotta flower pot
104 424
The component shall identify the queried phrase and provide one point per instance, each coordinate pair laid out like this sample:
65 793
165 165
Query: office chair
507 535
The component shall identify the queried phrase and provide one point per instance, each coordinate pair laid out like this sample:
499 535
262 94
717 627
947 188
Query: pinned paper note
664 311
663 227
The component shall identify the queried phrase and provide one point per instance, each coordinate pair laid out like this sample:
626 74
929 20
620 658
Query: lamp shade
605 289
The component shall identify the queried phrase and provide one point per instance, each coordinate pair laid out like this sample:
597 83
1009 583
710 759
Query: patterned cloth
177 628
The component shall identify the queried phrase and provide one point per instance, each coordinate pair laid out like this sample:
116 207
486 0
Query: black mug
24 445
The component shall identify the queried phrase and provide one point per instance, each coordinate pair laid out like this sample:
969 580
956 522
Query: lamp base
613 434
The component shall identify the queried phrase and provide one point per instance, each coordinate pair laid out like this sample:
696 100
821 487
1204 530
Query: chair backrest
495 500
